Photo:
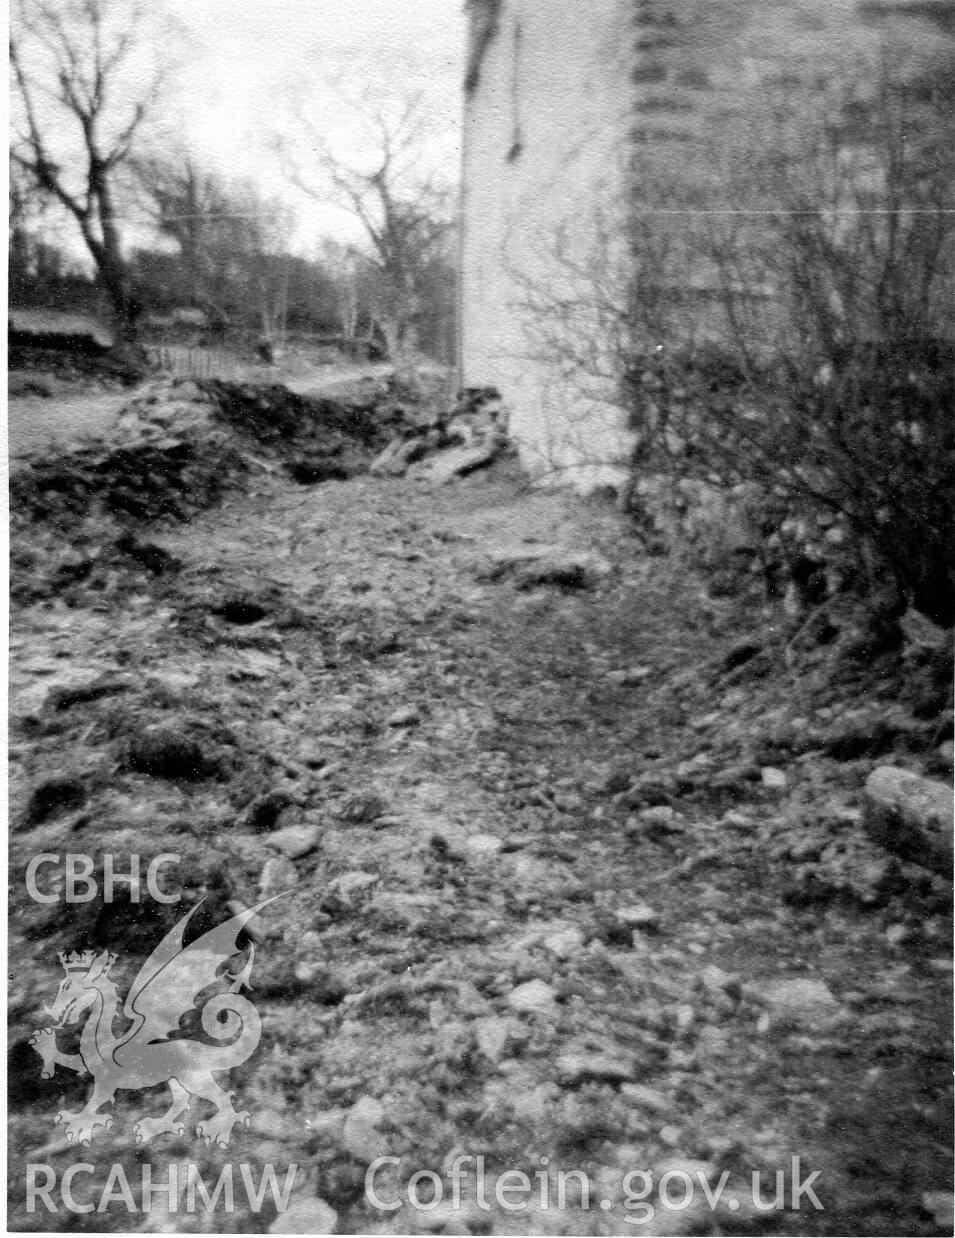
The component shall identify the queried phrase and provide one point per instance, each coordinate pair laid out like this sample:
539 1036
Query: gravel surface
565 879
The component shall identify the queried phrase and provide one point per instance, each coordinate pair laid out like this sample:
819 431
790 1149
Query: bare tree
72 63
19 210
261 229
188 205
233 241
403 211
343 264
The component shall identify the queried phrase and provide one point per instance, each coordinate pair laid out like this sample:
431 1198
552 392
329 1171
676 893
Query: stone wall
583 121
721 82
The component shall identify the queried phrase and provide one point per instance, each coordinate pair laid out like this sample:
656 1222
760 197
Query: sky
249 63
241 68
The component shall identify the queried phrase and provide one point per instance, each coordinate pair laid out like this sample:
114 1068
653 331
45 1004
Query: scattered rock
278 875
565 943
306 1216
407 715
329 1125
650 790
799 1002
361 808
535 878
576 1068
897 934
692 771
801 850
629 675
296 841
638 916
360 1135
736 776
456 462
451 1218
647 1099
715 980
656 822
397 456
533 997
315 973
484 844
774 779
255 664
395 910
711 1041
473 923
348 885
910 816
941 1207
738 821
671 1135
492 1034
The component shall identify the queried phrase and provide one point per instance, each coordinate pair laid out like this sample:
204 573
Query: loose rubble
568 859
471 437
911 816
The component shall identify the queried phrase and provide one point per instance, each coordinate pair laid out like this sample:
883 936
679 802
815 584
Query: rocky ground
55 408
572 854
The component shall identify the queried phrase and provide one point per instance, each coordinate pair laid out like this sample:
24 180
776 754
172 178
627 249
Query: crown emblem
81 961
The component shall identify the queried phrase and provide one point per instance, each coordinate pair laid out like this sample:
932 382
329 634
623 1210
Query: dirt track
37 424
542 900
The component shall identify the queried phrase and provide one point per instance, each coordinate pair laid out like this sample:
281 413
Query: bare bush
830 383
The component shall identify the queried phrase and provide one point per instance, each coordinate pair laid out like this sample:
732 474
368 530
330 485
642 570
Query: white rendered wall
545 176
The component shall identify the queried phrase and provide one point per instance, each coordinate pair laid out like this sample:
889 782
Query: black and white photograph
481 596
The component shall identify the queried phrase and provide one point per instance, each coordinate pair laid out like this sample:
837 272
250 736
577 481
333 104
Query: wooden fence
183 361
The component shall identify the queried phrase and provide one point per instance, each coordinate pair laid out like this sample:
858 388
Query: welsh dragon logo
152 1049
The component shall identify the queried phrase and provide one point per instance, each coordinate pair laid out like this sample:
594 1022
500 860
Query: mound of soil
179 445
